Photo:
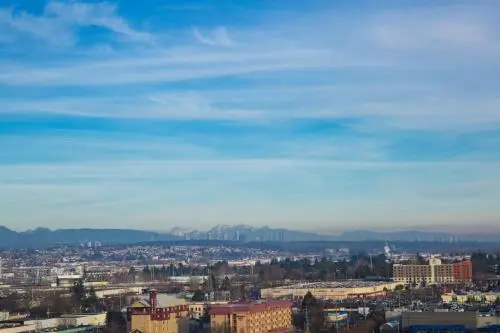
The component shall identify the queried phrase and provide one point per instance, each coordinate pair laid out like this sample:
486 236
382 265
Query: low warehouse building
466 319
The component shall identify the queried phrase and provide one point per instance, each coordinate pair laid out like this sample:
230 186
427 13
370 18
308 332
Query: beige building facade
434 272
329 292
252 317
151 317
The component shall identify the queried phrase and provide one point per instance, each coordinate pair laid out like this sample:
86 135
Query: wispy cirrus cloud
275 51
60 21
378 110
439 29
217 37
284 115
210 184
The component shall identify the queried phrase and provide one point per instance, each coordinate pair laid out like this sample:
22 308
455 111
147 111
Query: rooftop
249 306
164 300
337 284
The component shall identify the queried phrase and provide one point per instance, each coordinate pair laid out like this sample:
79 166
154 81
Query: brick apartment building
434 272
252 317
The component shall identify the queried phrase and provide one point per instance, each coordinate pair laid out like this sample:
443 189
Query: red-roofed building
150 316
252 317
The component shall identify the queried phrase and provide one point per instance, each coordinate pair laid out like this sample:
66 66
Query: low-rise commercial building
199 309
470 320
88 321
252 317
477 297
467 319
331 290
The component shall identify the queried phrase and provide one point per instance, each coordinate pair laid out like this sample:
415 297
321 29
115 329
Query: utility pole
209 279
307 328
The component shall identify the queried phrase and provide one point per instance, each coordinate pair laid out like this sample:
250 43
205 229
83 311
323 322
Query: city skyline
312 115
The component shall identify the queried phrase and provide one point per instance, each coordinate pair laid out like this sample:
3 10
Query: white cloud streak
60 20
217 37
416 112
382 46
313 55
445 28
145 169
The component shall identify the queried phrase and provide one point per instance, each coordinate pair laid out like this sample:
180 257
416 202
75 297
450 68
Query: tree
237 292
419 260
194 283
11 302
399 287
58 305
91 303
221 268
115 322
313 313
323 275
83 301
374 320
78 293
146 273
39 311
213 285
198 296
413 284
226 283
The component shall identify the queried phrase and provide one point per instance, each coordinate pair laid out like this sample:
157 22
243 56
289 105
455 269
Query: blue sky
313 115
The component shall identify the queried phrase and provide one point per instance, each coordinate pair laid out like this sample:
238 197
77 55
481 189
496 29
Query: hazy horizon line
457 231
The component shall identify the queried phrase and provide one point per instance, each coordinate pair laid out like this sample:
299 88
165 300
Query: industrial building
330 290
88 321
159 313
252 317
469 320
434 272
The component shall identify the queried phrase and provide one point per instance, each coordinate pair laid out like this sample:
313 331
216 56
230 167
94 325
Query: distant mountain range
246 233
239 233
43 236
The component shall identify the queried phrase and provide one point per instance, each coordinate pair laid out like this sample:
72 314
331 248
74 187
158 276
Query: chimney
152 300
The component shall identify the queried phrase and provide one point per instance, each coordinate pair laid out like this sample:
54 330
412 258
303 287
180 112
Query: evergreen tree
226 284
313 313
198 296
78 293
115 323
